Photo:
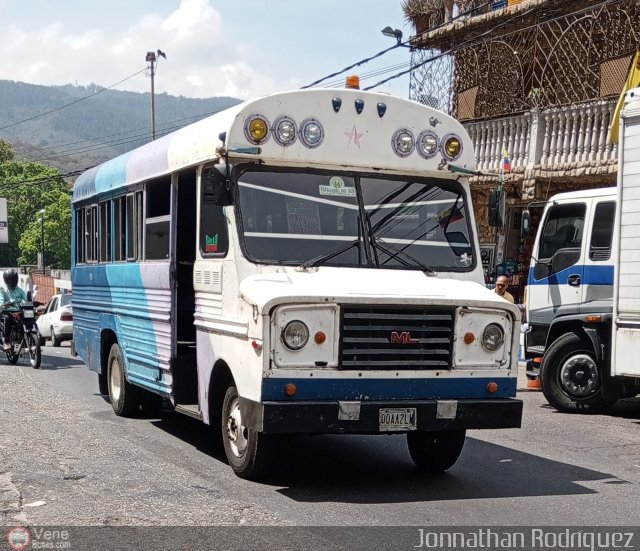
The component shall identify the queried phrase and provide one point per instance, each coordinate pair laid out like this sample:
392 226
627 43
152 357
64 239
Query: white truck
583 301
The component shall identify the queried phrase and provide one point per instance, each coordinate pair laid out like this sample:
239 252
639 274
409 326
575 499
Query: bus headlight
284 131
427 144
311 133
295 335
402 142
256 129
492 337
451 147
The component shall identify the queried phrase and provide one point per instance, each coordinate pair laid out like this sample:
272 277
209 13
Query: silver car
56 323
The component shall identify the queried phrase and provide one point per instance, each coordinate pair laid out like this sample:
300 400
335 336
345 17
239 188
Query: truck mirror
216 185
525 224
496 208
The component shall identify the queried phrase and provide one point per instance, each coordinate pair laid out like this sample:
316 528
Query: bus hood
363 286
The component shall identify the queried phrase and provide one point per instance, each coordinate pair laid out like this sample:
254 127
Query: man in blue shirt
11 297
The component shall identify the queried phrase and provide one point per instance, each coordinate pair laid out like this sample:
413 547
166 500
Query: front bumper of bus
370 417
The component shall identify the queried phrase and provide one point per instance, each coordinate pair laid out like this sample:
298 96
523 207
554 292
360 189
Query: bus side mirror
496 208
525 224
216 185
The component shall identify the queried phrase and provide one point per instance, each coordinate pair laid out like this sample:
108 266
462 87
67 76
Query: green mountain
57 126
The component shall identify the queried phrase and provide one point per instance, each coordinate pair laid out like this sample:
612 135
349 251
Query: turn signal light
319 337
469 338
492 387
290 389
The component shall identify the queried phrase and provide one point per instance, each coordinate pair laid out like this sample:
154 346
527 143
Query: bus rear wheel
249 453
571 377
437 450
125 398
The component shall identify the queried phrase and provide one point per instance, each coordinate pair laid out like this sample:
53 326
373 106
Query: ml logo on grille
402 338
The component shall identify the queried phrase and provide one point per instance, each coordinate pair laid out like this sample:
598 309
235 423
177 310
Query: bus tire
103 383
248 452
571 377
125 398
437 450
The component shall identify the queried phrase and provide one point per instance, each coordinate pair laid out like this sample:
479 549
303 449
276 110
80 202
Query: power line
73 102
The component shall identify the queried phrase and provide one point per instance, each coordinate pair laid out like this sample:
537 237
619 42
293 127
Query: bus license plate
397 419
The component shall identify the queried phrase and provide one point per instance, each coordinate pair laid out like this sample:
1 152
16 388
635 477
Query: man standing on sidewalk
501 289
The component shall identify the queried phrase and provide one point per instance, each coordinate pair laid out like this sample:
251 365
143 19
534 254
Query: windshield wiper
320 259
395 252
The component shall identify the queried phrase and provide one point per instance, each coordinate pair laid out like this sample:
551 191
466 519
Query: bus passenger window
119 229
158 219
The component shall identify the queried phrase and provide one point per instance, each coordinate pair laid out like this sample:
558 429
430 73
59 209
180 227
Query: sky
237 48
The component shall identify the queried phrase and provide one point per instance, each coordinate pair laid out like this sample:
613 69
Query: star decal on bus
354 136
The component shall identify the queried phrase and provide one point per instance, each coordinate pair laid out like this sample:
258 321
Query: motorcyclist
12 297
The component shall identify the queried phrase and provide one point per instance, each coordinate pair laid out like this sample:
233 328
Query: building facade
536 81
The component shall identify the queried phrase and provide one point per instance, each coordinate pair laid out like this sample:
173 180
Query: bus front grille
396 338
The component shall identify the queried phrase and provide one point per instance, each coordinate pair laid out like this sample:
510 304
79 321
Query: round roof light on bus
284 131
451 147
402 142
256 129
311 133
427 144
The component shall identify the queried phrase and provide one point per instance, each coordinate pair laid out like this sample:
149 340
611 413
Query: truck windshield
346 219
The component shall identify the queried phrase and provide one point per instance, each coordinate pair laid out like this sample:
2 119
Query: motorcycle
24 338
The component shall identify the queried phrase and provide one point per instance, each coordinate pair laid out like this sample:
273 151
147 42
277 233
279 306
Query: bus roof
358 129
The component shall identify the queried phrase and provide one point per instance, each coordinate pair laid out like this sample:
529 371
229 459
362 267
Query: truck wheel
570 376
248 452
437 450
125 398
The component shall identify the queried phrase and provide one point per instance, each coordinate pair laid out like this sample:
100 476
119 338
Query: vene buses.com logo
18 538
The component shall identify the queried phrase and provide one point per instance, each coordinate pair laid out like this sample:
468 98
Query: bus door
183 213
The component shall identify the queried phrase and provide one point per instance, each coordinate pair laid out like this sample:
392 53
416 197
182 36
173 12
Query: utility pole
151 59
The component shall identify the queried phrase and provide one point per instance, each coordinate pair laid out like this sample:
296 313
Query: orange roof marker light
352 81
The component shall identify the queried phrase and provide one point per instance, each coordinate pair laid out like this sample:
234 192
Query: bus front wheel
437 450
248 452
125 398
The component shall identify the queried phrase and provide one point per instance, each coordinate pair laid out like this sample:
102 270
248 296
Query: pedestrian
501 289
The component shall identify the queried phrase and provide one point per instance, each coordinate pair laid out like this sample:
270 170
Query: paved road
65 458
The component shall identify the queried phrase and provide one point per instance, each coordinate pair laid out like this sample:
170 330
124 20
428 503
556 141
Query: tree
6 151
56 229
29 187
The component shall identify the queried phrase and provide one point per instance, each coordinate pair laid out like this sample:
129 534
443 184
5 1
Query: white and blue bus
306 262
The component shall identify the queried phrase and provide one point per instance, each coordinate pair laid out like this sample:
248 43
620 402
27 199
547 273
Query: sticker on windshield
337 188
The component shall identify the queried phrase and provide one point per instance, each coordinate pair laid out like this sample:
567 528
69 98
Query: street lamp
393 33
152 59
41 212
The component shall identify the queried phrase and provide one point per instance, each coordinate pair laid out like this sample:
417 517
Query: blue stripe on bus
108 297
388 389
590 275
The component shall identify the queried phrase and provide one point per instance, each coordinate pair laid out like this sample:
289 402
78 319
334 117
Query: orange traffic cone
533 384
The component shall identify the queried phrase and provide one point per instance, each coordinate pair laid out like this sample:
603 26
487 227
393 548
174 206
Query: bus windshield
349 219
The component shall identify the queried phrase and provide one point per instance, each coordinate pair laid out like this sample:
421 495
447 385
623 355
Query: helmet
10 279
